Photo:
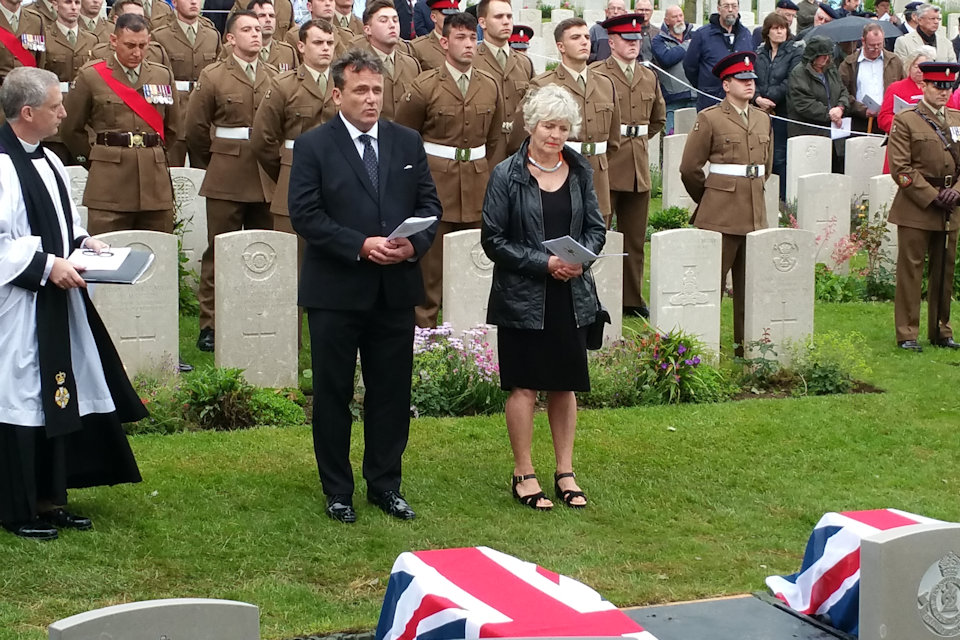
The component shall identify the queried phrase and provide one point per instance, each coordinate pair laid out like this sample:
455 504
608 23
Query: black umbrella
850 29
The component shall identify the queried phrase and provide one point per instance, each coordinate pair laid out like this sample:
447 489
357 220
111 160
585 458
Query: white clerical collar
316 74
456 73
574 74
356 133
29 147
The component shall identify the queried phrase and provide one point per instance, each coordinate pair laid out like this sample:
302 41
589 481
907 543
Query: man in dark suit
353 180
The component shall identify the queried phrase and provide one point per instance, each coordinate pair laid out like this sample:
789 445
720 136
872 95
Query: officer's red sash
12 42
132 99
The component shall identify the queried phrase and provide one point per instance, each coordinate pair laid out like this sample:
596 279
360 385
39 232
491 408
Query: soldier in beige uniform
46 10
21 38
91 20
320 10
511 69
600 131
427 49
68 49
284 13
192 45
344 18
458 111
277 53
735 139
128 186
154 53
156 11
382 28
642 115
924 154
222 107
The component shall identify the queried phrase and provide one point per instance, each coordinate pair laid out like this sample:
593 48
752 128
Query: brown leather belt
946 181
126 139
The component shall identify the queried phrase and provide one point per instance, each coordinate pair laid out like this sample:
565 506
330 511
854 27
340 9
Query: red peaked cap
446 6
520 39
741 65
940 73
627 25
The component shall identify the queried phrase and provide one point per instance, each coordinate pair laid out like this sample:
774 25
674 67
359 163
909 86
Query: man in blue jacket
669 48
711 43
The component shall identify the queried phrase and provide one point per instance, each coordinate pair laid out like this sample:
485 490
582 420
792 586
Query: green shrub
278 407
669 218
831 364
187 278
218 398
834 287
158 391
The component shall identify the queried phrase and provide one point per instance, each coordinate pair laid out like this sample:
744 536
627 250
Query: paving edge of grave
363 635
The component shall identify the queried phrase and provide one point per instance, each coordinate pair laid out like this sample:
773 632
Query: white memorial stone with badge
881 190
191 210
827 217
467 277
674 193
805 155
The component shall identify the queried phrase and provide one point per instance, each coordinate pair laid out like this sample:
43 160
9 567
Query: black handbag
595 330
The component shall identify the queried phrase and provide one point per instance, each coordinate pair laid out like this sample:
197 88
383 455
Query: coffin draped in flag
828 583
478 592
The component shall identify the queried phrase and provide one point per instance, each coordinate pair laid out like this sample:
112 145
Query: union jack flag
478 592
828 583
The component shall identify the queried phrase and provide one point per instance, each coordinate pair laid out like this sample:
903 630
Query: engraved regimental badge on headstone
938 596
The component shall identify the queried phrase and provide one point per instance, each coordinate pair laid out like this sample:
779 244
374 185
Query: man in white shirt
867 73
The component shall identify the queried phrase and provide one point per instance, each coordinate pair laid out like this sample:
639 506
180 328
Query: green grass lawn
686 502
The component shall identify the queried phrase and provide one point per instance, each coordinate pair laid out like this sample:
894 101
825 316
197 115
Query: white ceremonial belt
634 130
184 85
455 153
64 87
288 144
739 170
233 133
588 148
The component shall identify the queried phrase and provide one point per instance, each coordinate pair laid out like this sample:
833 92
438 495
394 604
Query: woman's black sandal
532 499
567 496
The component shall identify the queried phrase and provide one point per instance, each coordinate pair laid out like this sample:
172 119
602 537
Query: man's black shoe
341 508
205 341
947 343
63 519
637 312
393 504
35 530
910 345
184 367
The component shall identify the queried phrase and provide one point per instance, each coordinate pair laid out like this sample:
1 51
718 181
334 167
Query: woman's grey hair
25 87
925 51
551 102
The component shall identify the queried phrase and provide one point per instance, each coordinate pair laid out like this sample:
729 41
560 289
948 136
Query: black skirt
33 467
553 358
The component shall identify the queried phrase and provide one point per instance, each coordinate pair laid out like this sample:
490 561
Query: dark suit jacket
334 207
421 18
405 16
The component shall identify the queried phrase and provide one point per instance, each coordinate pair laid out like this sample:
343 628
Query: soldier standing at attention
924 154
68 49
156 12
600 131
131 107
103 50
343 18
92 21
320 10
381 26
21 34
643 114
46 10
284 12
427 49
458 111
275 52
219 120
735 138
512 70
192 45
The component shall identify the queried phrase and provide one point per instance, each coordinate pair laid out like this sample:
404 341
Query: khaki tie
462 83
251 72
72 37
322 83
582 82
501 59
15 22
264 54
629 73
132 75
147 9
746 119
388 66
192 35
345 22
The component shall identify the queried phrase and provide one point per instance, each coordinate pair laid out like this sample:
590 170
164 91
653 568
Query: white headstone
683 120
953 25
256 302
533 19
657 18
863 159
765 7
771 200
805 155
881 192
592 16
173 618
653 151
685 283
143 318
778 289
910 583
674 193
593 5
78 182
701 13
827 217
559 15
747 19
467 276
537 54
670 3
192 210
608 275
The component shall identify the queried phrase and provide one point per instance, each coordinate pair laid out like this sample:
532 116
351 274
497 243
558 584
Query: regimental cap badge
61 377
747 62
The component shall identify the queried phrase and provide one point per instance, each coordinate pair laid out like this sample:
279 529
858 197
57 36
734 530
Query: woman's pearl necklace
546 169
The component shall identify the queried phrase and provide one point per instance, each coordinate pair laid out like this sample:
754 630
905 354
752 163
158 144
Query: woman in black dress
541 305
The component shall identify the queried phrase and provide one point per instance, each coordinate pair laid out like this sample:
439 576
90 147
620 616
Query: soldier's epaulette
88 64
488 75
275 68
430 74
208 22
163 27
946 109
711 107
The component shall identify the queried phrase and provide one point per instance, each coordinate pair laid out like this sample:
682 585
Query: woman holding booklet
541 304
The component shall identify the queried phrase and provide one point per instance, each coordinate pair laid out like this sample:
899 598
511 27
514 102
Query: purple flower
688 362
681 349
663 366
696 360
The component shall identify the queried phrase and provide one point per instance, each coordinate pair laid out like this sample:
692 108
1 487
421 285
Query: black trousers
384 339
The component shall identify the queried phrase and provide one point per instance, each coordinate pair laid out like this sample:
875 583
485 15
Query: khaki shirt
292 105
225 97
155 52
120 178
513 80
915 153
48 14
405 71
435 107
63 58
428 52
339 44
728 204
641 103
284 11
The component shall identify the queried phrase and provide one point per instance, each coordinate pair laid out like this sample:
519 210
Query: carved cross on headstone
778 325
259 331
139 335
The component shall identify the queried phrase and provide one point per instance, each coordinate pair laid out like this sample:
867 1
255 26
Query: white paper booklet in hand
572 252
411 226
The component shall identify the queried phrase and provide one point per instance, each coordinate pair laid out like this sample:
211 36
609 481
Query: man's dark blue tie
370 160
